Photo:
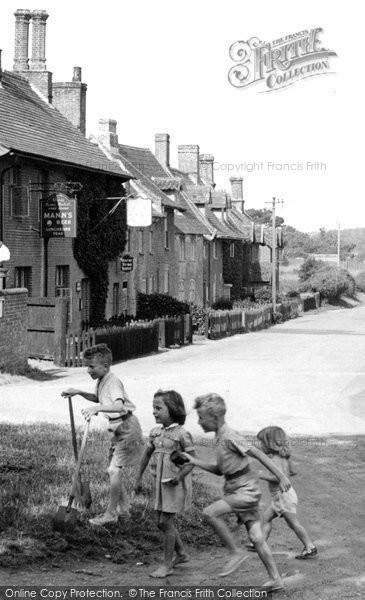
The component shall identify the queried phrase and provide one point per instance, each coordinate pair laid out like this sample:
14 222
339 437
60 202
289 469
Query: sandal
307 553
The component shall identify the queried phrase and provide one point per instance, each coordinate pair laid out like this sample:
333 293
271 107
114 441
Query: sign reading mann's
58 217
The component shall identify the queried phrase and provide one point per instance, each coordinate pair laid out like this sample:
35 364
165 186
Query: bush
199 316
222 304
153 306
309 268
331 282
360 281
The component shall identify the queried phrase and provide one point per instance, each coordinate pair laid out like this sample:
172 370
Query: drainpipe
1 200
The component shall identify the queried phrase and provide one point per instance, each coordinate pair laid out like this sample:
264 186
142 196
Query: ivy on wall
232 268
98 241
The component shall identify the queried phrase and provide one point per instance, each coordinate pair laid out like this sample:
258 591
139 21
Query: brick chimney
237 193
36 72
22 18
189 161
162 148
108 135
70 99
206 168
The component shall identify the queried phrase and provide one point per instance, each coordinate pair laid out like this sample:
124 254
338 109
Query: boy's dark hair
174 403
212 403
101 352
275 440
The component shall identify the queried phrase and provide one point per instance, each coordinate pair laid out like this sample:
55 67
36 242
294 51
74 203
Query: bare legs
171 542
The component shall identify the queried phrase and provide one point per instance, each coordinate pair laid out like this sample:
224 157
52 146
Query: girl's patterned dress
164 440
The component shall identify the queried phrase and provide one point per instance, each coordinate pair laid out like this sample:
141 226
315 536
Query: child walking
241 487
275 444
172 483
123 426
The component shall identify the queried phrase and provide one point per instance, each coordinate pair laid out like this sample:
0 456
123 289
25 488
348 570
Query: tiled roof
224 231
181 175
220 199
144 160
145 180
168 183
31 126
190 224
200 194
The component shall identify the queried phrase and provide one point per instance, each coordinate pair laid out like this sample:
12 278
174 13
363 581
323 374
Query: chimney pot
38 60
189 161
77 74
162 148
108 134
206 167
237 192
22 18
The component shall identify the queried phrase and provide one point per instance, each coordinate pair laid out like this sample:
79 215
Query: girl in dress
275 444
172 479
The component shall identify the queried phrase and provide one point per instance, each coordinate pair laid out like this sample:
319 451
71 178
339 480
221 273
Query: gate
47 324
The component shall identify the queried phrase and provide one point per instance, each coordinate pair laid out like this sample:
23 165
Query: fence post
60 328
161 334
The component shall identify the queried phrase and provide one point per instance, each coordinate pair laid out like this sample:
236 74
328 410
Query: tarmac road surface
306 375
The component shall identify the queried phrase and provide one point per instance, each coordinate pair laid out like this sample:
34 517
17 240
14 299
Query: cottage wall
13 328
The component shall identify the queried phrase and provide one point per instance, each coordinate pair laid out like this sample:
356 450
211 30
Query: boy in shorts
241 487
123 426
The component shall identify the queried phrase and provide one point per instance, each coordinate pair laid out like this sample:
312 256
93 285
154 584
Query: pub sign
58 216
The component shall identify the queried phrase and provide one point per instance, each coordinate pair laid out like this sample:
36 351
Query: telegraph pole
273 252
338 245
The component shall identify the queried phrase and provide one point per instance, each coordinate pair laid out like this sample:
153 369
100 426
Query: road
306 375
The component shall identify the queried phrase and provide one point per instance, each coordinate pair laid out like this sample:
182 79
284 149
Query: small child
275 444
123 426
241 487
172 483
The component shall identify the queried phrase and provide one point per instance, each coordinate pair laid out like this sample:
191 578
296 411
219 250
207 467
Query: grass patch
36 468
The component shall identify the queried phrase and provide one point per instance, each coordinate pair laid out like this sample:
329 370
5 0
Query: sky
158 66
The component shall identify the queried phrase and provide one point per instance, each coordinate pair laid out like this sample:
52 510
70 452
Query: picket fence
225 323
137 338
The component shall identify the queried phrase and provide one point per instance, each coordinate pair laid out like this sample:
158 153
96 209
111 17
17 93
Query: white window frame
231 250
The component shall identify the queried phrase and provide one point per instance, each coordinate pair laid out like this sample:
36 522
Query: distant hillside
298 243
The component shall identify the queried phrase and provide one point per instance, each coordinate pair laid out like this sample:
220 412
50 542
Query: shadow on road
315 331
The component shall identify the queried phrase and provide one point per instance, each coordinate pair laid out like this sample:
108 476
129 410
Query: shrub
222 304
360 281
153 306
309 268
331 282
199 316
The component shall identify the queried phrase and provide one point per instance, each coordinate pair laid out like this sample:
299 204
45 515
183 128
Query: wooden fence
132 340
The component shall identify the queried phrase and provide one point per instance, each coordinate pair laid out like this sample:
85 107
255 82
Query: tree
331 282
264 216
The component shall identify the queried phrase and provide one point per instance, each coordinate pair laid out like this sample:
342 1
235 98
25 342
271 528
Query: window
151 241
124 298
192 290
23 278
115 299
151 284
182 247
215 252
182 290
62 287
166 282
128 240
166 233
140 241
231 249
19 195
144 286
215 288
193 247
205 250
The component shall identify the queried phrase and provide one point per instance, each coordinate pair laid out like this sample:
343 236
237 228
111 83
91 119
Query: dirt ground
330 488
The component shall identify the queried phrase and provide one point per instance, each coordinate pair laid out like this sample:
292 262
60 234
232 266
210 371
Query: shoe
104 519
233 565
307 553
274 585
